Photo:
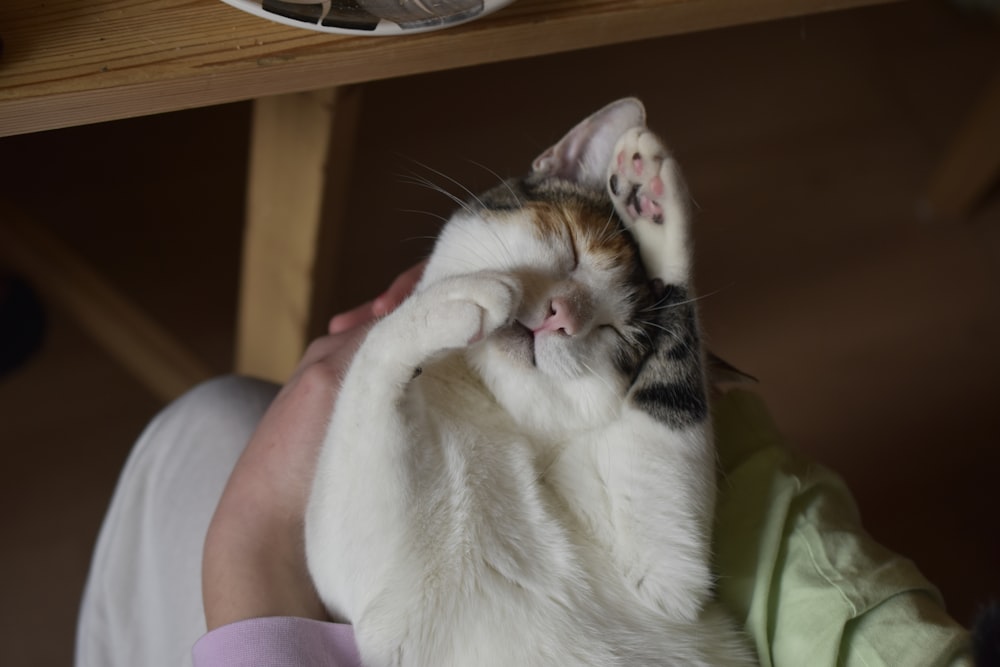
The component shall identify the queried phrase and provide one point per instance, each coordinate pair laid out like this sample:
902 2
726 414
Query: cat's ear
584 153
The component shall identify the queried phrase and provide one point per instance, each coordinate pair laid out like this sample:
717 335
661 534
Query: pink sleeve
278 642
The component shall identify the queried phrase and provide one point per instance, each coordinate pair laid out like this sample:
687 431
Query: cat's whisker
610 230
654 325
632 336
641 331
488 255
465 261
499 249
452 180
481 245
431 214
415 179
499 243
661 305
502 246
666 330
503 181
687 346
411 239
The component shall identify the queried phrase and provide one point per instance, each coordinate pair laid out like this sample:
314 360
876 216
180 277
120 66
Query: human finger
333 349
355 317
400 288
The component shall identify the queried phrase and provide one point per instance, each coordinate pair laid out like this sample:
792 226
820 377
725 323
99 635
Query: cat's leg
646 187
450 313
357 524
663 491
649 193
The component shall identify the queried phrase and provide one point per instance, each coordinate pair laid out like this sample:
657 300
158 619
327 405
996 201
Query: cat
519 469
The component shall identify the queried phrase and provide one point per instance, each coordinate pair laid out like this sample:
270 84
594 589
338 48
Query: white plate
370 17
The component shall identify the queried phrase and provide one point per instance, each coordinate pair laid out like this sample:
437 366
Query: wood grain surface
67 62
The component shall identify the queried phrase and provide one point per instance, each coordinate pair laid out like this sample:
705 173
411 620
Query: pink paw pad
657 187
637 165
638 185
650 209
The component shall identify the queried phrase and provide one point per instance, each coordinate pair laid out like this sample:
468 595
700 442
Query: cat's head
569 355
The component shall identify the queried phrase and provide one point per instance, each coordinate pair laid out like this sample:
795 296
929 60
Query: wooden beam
302 148
138 343
972 163
67 62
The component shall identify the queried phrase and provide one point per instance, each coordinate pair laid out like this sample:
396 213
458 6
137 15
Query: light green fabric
812 588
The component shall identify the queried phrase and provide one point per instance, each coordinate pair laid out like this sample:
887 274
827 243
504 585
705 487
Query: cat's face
578 332
576 339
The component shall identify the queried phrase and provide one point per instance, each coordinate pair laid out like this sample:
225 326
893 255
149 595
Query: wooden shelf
67 62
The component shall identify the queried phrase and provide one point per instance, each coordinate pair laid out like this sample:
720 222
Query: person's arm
785 527
795 566
278 641
254 566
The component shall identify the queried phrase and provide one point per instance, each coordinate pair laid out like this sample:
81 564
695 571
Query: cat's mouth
517 342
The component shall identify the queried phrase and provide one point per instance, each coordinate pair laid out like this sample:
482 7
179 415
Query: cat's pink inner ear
583 155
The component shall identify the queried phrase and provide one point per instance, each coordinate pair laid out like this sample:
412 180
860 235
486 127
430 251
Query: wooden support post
144 348
302 147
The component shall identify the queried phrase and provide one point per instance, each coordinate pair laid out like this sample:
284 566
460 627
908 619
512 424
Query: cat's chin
516 342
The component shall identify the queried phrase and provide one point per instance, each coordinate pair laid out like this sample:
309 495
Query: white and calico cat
520 469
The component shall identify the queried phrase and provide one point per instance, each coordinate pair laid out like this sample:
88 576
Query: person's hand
382 305
254 559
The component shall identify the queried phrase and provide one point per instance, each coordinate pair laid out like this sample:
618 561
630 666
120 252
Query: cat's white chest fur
473 549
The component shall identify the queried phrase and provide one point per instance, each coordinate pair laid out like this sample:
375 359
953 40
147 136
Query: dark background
807 145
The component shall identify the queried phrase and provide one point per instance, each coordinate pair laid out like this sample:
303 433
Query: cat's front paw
650 197
462 310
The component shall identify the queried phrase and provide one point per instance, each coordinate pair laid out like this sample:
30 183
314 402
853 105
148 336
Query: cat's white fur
474 508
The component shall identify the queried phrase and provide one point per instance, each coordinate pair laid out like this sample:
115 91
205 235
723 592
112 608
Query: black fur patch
669 382
676 404
632 199
508 196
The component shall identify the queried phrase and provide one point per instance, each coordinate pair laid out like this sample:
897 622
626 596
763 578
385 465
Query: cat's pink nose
562 316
